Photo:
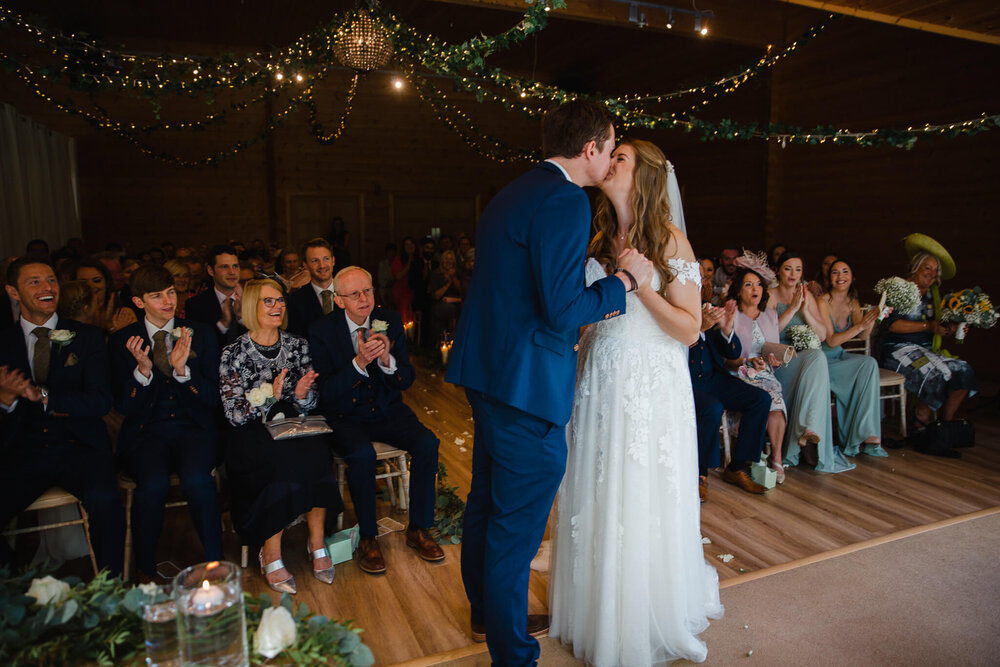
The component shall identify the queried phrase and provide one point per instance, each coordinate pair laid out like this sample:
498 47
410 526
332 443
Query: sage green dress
855 385
805 384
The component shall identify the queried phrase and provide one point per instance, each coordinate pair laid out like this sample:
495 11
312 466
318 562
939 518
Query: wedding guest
445 243
725 268
167 388
854 378
820 285
104 312
805 381
37 247
708 290
110 260
464 244
445 289
755 324
312 302
402 295
54 390
911 344
182 283
420 276
273 483
341 248
384 274
292 273
360 354
76 301
199 281
124 295
220 306
715 390
774 252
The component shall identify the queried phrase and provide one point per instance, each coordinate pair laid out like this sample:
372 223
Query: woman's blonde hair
251 295
650 232
918 259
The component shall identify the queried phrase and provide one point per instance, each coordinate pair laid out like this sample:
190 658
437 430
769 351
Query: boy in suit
54 390
166 373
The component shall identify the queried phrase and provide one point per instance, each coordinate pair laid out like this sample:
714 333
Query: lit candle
408 327
444 353
207 599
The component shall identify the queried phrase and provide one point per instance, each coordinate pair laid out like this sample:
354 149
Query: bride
629 582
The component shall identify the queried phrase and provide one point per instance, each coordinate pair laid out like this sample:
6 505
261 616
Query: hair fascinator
756 262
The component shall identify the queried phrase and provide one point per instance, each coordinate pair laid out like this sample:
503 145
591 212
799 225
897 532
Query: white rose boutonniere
48 590
275 633
261 396
176 333
380 326
62 337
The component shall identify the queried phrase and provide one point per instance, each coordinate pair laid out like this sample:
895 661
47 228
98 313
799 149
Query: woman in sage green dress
805 381
854 378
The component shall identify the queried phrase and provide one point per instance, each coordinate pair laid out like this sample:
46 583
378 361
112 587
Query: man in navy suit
515 354
716 390
311 302
359 351
167 387
219 307
54 389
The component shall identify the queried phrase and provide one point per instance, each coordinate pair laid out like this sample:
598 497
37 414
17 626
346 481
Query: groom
515 354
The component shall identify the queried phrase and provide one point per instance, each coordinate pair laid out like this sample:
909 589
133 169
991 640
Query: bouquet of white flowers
262 396
900 295
803 337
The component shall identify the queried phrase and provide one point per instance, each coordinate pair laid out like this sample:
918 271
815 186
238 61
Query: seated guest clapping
360 354
54 389
166 376
716 390
220 306
273 482
445 291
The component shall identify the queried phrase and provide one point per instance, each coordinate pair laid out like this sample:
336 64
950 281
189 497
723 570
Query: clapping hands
302 387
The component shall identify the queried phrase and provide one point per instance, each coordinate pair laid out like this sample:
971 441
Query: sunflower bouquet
899 294
971 306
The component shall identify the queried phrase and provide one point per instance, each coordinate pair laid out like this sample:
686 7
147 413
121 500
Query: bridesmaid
854 378
805 382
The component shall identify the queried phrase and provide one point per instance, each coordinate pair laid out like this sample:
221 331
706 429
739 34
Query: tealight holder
211 618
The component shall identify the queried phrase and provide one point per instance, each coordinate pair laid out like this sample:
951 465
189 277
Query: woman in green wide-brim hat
912 342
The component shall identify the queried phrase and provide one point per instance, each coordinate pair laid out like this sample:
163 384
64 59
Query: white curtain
38 184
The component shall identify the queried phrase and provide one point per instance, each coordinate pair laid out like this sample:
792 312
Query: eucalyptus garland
449 510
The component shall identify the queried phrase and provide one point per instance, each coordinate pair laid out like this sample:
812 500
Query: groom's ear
590 149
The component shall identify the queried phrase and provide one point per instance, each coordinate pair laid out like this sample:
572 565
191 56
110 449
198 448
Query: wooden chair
890 382
725 439
55 497
127 484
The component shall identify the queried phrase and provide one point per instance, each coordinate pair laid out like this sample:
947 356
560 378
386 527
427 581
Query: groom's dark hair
567 128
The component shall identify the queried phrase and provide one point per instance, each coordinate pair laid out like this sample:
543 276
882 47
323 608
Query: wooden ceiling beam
902 21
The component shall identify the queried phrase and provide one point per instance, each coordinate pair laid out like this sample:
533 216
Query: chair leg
388 481
244 556
902 411
404 483
342 484
127 564
726 445
90 545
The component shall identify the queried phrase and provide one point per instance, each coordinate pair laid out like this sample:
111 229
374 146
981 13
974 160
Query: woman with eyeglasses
265 373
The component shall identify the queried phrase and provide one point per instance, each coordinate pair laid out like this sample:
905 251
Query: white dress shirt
151 329
352 329
560 168
319 290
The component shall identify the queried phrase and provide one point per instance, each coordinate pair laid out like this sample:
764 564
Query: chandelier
362 41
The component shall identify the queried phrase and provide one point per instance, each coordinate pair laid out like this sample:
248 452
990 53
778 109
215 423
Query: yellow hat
917 243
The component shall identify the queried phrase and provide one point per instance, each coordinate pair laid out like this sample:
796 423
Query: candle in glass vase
211 617
206 600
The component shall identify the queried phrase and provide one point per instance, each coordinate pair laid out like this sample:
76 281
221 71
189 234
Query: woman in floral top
265 372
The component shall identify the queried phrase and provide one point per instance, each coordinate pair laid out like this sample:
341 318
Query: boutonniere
72 359
176 333
62 337
380 326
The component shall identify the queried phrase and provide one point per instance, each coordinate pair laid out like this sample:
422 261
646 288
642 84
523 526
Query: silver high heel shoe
286 586
326 576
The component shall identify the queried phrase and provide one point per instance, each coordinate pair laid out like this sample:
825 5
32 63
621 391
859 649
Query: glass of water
159 627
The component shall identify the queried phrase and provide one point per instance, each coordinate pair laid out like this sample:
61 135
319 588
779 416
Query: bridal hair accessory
756 262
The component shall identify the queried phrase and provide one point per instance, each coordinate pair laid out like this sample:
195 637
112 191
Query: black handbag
954 433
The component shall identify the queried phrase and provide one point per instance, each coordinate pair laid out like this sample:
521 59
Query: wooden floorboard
419 609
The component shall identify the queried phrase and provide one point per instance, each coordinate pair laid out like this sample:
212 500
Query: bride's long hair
650 232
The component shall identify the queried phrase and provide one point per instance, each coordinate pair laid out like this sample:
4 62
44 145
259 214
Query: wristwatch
44 391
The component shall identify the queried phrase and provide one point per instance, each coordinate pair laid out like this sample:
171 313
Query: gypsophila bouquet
900 295
803 337
968 307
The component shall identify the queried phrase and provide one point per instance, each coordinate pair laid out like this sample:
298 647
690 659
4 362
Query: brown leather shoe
742 479
538 626
426 547
370 556
702 488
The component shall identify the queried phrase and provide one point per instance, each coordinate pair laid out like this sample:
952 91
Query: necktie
41 355
364 333
327 297
160 352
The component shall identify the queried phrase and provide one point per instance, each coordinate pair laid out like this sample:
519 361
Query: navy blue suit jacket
198 397
344 392
79 386
528 296
304 308
205 308
707 357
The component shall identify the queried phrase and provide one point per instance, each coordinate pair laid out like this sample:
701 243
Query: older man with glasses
359 351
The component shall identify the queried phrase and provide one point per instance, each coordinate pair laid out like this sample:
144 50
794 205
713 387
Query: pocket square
192 355
72 359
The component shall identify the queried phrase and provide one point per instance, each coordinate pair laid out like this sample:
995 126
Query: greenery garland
100 623
449 510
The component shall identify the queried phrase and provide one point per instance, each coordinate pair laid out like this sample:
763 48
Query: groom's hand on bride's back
636 263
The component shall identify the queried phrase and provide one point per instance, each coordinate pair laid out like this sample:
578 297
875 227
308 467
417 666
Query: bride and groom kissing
629 584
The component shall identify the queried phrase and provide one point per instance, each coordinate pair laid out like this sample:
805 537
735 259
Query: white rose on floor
275 633
48 590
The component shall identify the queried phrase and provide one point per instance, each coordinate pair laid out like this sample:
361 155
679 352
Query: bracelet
631 279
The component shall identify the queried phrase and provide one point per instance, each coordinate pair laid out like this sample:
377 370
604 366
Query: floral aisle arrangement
968 307
899 294
803 337
449 510
50 621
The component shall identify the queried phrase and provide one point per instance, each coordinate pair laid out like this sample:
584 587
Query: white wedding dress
629 583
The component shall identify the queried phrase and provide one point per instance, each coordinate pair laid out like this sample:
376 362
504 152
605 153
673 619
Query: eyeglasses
354 296
269 301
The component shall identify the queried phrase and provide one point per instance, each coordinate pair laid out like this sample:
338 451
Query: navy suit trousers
724 392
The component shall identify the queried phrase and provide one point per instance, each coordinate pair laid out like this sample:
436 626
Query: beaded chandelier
362 42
